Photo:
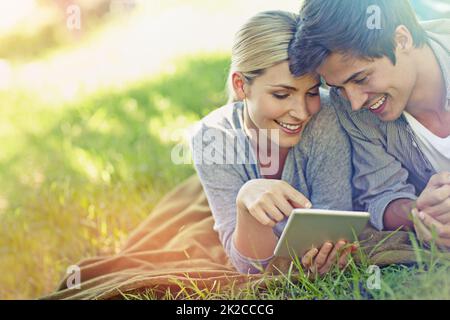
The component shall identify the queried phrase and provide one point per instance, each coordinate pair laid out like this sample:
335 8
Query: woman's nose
299 112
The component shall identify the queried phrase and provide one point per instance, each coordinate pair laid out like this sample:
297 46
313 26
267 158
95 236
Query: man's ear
237 79
404 39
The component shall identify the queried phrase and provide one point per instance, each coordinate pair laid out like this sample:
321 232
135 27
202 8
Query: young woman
275 147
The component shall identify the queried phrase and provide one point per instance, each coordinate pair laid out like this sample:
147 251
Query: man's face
376 84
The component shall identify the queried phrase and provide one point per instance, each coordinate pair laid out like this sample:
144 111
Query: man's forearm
397 215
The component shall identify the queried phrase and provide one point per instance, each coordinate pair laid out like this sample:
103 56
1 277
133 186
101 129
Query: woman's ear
237 79
404 39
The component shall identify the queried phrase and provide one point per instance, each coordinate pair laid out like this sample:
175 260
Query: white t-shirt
436 149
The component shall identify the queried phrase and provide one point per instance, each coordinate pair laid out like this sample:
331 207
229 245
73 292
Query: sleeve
221 183
379 178
329 168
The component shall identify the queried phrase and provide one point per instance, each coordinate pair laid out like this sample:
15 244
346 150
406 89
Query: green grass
76 178
426 280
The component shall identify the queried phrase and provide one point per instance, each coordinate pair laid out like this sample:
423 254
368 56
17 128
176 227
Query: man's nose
356 97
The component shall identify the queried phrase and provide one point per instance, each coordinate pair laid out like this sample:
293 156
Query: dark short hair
327 26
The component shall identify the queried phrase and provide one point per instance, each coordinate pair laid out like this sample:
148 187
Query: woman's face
277 100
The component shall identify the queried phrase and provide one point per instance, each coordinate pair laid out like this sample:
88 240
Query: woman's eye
313 94
280 96
361 81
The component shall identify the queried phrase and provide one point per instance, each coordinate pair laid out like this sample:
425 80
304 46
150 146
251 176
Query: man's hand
435 198
426 226
432 211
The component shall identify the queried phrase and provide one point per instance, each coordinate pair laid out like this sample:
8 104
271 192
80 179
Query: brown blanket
177 245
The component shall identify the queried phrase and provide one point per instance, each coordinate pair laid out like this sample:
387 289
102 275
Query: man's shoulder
439 31
438 27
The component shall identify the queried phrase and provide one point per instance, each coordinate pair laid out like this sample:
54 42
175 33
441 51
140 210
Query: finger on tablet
344 257
273 212
262 217
283 204
354 247
297 199
308 258
332 257
322 256
336 251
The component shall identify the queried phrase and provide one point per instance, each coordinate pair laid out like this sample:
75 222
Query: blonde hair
261 43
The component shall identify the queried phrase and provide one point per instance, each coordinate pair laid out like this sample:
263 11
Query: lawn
426 279
76 178
78 172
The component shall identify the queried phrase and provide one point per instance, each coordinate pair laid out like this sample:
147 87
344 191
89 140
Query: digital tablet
309 228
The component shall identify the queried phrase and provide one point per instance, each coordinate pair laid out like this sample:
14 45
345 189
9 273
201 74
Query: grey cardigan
319 167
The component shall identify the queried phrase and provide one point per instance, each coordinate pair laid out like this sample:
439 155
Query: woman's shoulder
225 120
221 131
226 117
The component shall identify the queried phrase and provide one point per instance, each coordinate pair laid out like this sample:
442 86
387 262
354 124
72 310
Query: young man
390 83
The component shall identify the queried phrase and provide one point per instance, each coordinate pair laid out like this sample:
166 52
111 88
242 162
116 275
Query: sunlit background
89 111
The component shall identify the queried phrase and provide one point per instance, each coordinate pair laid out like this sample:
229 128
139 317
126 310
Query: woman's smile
290 128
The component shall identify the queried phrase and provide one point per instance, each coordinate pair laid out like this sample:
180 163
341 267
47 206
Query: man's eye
361 81
280 96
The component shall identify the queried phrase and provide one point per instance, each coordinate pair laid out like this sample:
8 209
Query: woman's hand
319 262
270 201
